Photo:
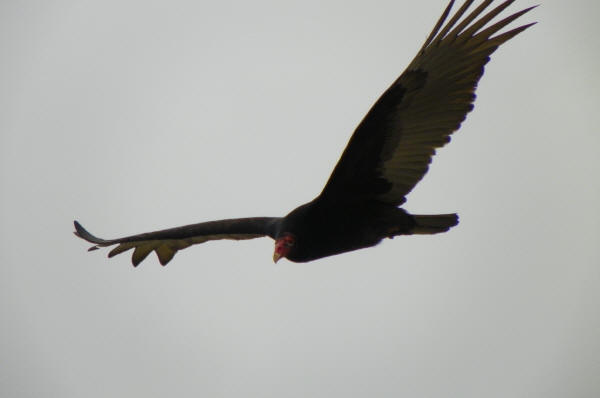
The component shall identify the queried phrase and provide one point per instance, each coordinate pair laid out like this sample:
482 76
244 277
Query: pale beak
276 257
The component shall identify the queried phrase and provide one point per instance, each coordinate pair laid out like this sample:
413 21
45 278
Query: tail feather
434 224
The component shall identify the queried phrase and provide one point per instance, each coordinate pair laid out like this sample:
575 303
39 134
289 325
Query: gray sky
133 116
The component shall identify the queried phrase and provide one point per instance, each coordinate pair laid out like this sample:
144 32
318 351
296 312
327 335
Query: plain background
133 116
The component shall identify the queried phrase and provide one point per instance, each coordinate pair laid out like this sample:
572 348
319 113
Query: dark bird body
388 154
324 229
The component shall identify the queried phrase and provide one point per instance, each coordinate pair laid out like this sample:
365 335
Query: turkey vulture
386 157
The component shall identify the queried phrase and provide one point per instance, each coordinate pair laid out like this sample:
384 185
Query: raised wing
168 241
391 149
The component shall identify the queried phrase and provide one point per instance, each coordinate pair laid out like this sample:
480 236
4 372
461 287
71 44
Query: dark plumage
386 157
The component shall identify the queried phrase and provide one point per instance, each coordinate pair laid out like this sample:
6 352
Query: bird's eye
288 241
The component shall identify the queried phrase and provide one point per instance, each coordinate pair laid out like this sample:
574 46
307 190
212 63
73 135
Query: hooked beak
276 257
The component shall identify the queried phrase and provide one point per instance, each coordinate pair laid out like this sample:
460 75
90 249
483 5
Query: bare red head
283 245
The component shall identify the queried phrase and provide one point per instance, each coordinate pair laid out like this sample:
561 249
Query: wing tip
78 228
83 233
164 256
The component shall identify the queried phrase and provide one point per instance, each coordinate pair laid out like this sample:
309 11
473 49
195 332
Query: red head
283 245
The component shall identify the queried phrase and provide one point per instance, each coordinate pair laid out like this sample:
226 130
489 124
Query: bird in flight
387 155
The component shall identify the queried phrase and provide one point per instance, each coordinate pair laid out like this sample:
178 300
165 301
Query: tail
435 224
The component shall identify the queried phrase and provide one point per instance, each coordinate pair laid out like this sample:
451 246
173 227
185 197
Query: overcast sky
133 116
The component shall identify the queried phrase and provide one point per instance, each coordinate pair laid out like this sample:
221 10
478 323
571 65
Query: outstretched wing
391 149
168 241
